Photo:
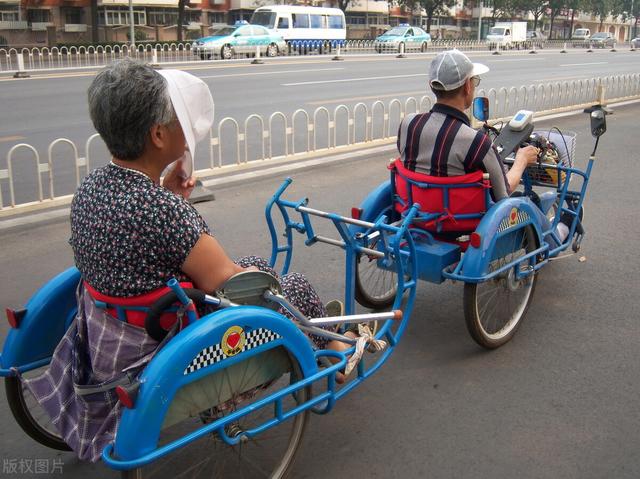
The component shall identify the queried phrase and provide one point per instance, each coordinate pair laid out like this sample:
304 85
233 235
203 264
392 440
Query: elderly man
442 143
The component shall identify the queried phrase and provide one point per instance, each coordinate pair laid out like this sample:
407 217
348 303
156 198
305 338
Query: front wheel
272 50
423 47
494 309
375 287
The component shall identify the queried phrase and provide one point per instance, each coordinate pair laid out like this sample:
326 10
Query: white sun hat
450 69
193 104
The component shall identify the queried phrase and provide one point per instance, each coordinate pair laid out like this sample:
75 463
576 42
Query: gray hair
125 100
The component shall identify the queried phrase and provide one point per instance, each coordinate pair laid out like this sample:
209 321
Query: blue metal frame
50 311
474 265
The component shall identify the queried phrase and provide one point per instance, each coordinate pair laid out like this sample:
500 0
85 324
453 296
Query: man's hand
176 182
524 157
527 155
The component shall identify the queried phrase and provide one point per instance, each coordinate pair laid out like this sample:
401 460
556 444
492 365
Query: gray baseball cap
450 69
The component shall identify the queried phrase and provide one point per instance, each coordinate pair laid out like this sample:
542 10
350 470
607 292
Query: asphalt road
50 106
559 401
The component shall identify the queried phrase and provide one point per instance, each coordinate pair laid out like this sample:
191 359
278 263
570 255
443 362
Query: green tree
537 9
504 9
554 7
435 8
575 6
601 9
631 11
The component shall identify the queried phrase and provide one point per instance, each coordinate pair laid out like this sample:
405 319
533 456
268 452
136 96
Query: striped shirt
442 143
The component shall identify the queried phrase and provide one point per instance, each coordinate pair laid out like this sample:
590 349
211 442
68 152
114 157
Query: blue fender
48 314
495 224
188 357
374 205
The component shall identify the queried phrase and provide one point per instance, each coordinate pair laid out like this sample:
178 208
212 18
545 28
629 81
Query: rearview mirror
598 115
598 123
481 108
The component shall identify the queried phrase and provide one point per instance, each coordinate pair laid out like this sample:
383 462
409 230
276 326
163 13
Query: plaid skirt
98 349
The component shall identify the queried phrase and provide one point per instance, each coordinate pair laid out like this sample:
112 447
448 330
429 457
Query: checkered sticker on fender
515 217
216 353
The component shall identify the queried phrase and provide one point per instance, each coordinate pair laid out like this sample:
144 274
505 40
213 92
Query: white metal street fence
95 56
234 144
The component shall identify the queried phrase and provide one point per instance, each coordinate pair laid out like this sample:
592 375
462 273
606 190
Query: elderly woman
130 234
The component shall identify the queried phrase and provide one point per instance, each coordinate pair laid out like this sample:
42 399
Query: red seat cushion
469 200
145 300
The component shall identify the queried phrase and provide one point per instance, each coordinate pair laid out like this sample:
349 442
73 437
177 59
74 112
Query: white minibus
310 27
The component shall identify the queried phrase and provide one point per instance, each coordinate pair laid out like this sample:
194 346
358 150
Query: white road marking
580 64
527 59
344 80
271 73
370 97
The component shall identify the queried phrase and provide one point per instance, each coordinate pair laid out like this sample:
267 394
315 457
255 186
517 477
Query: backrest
457 202
134 309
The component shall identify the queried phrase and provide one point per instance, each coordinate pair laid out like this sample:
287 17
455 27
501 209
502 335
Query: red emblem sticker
233 341
513 216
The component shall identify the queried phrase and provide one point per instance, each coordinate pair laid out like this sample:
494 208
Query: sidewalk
557 401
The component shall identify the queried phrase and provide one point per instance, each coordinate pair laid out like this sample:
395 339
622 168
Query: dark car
602 40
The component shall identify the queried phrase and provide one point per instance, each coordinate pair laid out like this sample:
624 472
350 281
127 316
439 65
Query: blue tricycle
494 248
230 394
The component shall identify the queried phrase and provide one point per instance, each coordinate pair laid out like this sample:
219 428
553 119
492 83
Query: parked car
402 38
602 40
241 38
635 43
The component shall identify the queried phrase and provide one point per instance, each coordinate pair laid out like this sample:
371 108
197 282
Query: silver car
635 43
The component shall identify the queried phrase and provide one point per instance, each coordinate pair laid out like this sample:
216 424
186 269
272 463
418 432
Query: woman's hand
176 181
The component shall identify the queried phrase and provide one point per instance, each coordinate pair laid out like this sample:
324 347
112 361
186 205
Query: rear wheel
272 50
29 414
269 454
494 309
423 47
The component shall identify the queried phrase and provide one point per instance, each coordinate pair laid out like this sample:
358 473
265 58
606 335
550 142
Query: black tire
211 457
423 47
488 311
226 52
375 287
272 50
30 416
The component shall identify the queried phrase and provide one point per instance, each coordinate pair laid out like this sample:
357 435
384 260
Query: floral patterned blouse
130 236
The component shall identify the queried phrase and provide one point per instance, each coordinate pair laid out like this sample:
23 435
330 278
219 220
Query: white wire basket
547 172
